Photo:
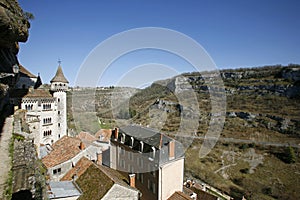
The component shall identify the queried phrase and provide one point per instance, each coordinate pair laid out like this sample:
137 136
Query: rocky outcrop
13 29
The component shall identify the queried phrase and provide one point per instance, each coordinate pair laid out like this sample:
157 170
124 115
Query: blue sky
235 33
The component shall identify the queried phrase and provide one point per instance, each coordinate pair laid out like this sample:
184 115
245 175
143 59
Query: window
123 138
47 133
29 107
58 99
57 171
140 177
151 186
122 151
140 161
130 155
58 124
47 120
47 106
122 163
130 168
141 146
59 112
132 141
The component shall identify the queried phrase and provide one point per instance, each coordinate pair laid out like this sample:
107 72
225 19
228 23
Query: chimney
171 149
132 180
82 147
116 133
99 158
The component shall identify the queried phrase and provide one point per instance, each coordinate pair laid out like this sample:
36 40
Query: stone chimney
132 180
99 158
82 146
171 149
116 133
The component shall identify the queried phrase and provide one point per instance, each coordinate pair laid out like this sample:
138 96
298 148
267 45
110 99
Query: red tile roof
179 196
86 136
63 150
38 93
81 166
105 133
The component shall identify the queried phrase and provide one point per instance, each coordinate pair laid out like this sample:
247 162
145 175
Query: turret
59 81
59 86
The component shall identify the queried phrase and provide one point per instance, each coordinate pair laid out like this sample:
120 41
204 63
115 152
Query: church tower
59 87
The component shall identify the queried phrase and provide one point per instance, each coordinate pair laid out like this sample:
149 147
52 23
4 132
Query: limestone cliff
14 27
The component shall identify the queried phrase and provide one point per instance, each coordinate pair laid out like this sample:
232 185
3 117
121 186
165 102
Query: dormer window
132 141
123 138
153 152
141 146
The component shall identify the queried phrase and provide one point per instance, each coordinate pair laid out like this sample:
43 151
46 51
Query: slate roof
63 150
151 138
147 135
62 189
59 76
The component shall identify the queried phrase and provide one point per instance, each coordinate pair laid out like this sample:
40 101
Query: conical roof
59 76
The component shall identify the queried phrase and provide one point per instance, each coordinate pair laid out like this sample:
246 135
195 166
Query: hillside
257 153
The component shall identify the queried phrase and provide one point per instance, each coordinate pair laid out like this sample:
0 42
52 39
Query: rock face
13 29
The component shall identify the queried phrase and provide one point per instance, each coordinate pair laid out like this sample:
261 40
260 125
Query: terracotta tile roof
63 150
59 76
24 72
86 136
105 134
81 166
38 93
179 196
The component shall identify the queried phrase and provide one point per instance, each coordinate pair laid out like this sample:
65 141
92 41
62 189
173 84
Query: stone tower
59 87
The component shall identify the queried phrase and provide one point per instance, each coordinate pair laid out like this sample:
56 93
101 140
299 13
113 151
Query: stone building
155 160
46 108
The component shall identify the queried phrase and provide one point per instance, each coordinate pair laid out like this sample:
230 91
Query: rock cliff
14 27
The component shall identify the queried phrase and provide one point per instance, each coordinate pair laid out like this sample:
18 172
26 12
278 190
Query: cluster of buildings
130 162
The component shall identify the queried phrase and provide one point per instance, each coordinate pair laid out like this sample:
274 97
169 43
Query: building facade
47 110
156 160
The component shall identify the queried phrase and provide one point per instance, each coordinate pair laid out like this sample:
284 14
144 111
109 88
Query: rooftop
96 181
62 189
147 135
59 76
36 93
86 136
63 150
151 138
81 166
24 72
103 135
179 196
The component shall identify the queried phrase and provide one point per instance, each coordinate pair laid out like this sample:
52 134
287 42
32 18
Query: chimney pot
132 180
171 149
99 158
82 147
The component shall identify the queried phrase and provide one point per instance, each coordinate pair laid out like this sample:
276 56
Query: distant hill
257 155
